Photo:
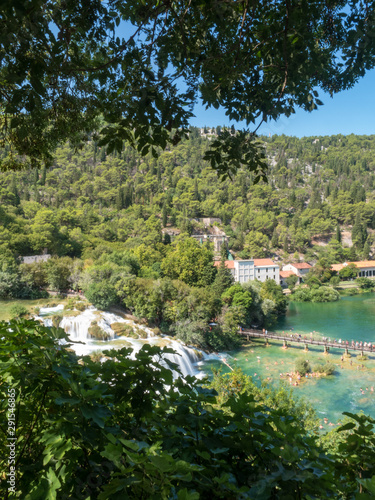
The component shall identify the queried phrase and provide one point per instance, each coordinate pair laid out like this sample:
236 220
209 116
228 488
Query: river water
351 318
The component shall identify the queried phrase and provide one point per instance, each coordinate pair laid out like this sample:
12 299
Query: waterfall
77 327
185 357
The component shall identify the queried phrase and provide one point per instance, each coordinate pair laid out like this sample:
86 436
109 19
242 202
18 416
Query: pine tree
224 278
366 250
43 178
36 176
196 191
352 256
338 234
14 190
286 244
275 239
120 199
164 215
359 232
37 194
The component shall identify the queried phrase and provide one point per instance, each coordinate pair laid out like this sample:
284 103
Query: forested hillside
317 188
106 220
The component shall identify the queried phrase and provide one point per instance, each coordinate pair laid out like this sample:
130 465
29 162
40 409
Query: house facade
249 270
366 268
284 275
31 259
300 269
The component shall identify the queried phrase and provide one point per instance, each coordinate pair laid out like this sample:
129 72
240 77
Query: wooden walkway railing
248 333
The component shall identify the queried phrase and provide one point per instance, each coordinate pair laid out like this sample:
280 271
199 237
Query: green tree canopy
190 262
134 70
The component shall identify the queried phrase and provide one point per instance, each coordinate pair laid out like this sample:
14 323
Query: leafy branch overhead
132 71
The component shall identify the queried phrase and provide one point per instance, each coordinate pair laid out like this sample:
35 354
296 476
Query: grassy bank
6 305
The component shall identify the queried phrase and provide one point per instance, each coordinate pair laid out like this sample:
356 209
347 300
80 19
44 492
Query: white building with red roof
366 268
249 270
300 269
284 275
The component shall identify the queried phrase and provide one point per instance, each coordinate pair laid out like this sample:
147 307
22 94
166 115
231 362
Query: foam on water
77 328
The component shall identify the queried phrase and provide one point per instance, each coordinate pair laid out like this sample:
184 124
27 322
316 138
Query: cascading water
77 327
185 357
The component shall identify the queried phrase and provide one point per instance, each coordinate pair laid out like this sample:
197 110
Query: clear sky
348 112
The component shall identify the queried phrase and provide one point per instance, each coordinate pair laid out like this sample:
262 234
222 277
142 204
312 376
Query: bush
302 366
56 320
98 333
326 368
365 283
102 295
321 294
324 294
80 306
17 311
122 329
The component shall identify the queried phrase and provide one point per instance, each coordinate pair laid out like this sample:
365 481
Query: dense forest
318 187
118 227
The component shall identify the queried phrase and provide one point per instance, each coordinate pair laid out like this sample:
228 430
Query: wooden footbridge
296 339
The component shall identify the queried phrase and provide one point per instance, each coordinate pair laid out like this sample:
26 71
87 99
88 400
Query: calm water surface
351 318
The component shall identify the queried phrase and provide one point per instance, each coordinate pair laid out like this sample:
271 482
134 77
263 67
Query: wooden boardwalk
295 339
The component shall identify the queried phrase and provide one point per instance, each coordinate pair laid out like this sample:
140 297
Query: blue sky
349 112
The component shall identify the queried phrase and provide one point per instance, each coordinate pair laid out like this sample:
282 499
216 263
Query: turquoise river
351 318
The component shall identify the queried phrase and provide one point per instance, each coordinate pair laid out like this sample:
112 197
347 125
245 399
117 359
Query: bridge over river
296 339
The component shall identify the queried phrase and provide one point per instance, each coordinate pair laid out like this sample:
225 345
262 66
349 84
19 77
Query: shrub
96 356
17 311
302 366
80 306
326 368
365 283
56 320
96 332
102 295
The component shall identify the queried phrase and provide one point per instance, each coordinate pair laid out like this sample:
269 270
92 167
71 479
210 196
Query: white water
187 358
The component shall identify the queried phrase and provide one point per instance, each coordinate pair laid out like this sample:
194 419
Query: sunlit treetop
133 70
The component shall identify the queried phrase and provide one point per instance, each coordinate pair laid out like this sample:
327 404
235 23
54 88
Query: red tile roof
302 265
263 262
359 263
337 267
286 274
228 263
365 263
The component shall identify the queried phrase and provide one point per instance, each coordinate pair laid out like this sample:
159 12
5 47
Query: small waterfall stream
77 328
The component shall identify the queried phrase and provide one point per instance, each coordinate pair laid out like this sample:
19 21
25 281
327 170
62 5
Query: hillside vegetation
89 198
118 227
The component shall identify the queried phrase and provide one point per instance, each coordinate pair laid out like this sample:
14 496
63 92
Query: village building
31 259
366 267
300 269
249 270
284 275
